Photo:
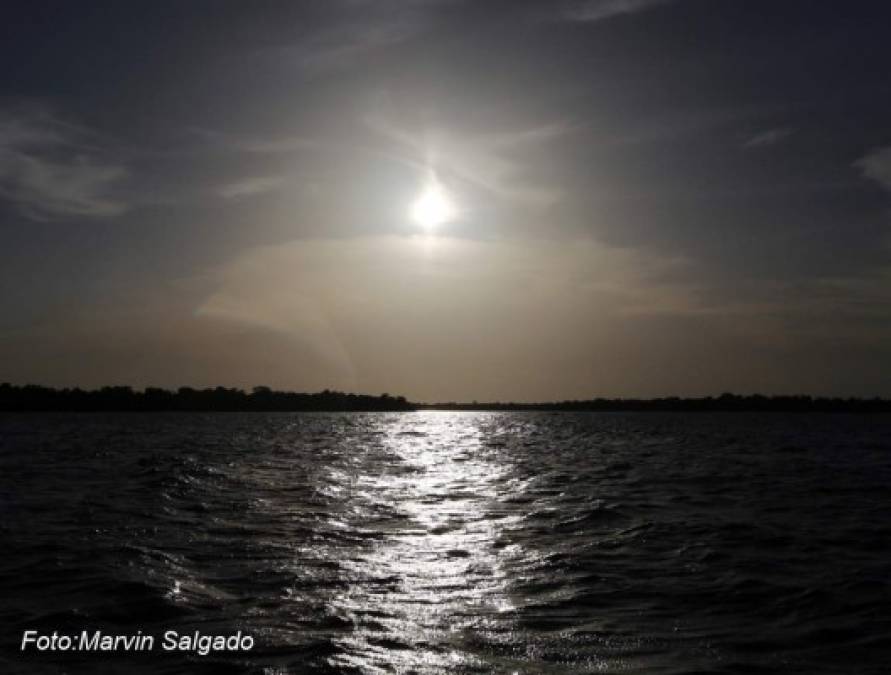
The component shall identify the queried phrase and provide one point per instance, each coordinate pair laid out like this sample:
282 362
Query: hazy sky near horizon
650 197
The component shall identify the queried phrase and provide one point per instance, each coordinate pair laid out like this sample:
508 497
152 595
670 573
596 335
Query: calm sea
452 542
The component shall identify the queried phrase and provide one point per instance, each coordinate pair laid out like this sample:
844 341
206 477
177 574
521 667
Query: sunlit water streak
455 542
434 574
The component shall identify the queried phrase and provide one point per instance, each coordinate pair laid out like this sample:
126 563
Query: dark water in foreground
452 542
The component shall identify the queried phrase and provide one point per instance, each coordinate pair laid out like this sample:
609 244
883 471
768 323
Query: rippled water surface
453 542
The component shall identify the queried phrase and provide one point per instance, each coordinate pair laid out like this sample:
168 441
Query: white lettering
97 641
27 637
88 643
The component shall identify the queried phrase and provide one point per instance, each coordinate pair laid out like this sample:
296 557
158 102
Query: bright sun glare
433 207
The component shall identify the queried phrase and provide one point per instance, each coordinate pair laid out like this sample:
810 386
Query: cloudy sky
632 197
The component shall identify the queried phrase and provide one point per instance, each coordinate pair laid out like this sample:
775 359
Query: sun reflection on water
433 574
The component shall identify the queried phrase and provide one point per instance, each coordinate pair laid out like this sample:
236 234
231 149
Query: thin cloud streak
598 10
50 169
252 186
876 166
767 138
365 28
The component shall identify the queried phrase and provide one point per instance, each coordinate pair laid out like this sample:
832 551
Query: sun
433 207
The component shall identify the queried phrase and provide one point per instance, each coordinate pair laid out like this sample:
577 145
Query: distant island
36 398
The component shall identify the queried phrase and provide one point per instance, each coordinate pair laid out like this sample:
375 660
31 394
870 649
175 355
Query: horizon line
35 397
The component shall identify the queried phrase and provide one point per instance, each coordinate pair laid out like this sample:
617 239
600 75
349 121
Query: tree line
126 399
724 403
263 399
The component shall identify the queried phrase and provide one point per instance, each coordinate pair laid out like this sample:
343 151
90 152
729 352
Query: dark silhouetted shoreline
35 398
722 403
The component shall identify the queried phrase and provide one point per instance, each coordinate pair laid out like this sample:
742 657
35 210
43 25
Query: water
452 542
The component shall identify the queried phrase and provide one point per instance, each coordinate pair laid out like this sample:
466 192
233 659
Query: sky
629 197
